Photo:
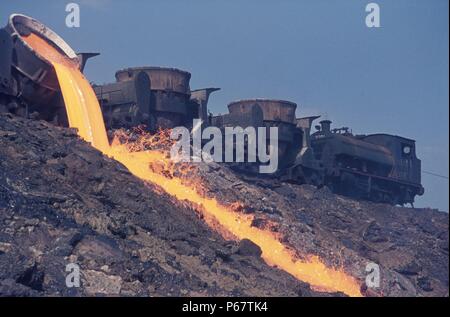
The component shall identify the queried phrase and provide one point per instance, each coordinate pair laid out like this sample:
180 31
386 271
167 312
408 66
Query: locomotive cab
378 167
407 167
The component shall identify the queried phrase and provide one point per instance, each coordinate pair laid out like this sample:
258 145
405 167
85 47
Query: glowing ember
84 114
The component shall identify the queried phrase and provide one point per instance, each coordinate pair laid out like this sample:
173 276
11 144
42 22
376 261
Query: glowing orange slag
84 113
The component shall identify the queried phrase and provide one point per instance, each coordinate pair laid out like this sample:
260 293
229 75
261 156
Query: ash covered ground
62 201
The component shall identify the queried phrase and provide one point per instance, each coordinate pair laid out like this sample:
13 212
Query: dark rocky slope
61 201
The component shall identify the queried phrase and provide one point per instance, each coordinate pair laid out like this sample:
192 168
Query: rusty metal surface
162 78
167 101
29 63
6 51
251 116
306 122
407 166
362 150
125 104
201 98
273 110
83 57
171 102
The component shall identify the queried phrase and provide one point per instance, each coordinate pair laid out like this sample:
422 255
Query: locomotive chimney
326 126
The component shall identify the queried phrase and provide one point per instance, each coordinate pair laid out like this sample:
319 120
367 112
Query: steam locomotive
377 167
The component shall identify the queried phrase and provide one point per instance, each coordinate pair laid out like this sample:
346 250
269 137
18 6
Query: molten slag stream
84 113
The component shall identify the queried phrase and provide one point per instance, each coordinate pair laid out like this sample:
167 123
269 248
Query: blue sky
317 53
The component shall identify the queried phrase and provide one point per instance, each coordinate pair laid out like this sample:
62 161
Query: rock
223 253
105 268
75 239
425 284
305 218
11 288
134 288
411 268
375 233
97 282
184 247
33 277
259 222
7 133
105 249
5 247
31 222
63 202
248 248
